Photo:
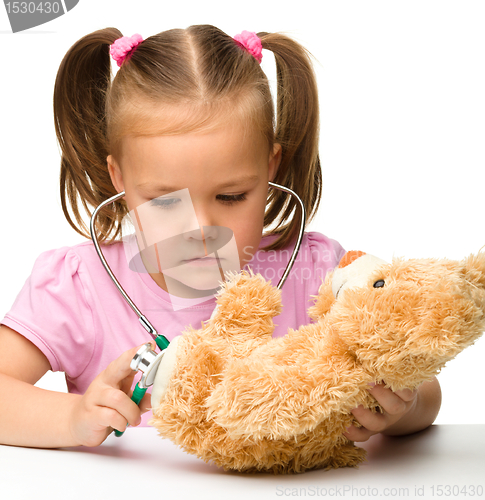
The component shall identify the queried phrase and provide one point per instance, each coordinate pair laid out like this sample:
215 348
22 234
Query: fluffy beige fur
248 402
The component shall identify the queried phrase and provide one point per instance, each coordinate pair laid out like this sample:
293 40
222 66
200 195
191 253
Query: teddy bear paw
245 298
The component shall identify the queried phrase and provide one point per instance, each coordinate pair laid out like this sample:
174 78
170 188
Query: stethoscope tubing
145 356
141 317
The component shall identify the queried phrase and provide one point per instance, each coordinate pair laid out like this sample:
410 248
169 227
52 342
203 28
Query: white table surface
141 464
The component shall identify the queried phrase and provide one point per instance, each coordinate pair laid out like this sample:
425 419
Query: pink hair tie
252 43
122 48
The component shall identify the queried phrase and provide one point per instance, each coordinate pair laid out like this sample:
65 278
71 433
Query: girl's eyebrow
238 180
159 188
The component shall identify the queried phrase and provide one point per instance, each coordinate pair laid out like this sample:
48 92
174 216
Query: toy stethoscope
146 360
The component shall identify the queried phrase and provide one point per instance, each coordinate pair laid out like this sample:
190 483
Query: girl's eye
171 203
165 203
229 199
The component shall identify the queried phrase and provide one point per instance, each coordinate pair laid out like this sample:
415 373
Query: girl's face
226 172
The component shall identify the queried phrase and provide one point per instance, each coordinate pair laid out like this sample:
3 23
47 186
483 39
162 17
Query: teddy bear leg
181 413
324 448
244 314
345 455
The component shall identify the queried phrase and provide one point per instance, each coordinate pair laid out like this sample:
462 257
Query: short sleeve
325 254
52 312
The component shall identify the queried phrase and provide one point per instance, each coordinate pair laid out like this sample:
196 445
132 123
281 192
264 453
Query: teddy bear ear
324 299
474 269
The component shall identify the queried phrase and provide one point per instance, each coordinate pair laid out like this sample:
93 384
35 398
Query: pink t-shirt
71 310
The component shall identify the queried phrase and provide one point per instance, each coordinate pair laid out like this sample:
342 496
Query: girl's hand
395 405
106 405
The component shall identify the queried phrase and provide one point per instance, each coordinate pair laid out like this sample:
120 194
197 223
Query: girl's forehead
140 118
214 156
227 142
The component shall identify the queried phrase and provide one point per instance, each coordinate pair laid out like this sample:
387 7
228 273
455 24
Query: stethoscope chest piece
147 361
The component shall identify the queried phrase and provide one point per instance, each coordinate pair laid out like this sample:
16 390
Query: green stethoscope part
145 359
137 396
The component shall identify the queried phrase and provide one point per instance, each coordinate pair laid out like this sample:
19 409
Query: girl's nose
207 228
203 233
207 222
209 232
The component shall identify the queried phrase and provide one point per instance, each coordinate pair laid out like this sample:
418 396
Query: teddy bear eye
379 284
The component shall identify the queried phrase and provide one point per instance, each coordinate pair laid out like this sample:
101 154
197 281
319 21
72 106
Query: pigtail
297 130
82 82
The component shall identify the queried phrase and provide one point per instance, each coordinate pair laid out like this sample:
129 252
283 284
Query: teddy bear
232 395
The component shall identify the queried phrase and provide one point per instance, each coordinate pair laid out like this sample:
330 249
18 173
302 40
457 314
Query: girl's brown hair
204 68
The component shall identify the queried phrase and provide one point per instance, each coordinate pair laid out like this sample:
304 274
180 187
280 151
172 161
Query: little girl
187 110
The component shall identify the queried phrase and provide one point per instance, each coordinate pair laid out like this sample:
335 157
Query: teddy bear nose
349 257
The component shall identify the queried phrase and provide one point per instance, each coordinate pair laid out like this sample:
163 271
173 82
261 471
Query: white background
402 95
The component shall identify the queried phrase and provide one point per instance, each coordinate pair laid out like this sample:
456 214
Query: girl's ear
274 161
115 174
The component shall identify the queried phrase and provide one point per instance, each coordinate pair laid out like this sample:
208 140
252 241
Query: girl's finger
358 434
373 422
390 402
119 369
127 383
146 403
406 394
110 418
120 402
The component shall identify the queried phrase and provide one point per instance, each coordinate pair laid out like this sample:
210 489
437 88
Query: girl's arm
30 416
